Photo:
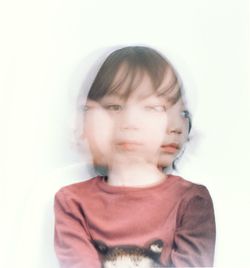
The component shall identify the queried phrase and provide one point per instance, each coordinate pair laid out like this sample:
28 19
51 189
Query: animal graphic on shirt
130 256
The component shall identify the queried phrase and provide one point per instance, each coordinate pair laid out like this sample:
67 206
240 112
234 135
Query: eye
185 114
156 108
113 107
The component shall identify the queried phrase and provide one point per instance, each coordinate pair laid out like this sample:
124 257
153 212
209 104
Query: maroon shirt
176 212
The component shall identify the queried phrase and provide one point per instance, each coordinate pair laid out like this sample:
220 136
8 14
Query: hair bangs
172 91
128 78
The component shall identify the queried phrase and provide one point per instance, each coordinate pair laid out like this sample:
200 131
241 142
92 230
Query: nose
130 119
174 131
175 125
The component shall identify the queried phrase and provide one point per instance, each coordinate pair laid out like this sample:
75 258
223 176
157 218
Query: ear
156 246
100 246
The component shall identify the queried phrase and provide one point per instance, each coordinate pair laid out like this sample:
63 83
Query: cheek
104 129
185 136
156 128
90 129
98 131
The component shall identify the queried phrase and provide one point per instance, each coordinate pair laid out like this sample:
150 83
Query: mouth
129 145
171 148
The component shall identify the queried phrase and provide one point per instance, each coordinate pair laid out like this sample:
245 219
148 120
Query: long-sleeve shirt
175 212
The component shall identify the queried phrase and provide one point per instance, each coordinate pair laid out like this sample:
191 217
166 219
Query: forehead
140 84
137 84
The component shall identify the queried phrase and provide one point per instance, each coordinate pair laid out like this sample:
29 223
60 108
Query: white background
43 46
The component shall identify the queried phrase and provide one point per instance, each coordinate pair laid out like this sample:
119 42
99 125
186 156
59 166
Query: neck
135 174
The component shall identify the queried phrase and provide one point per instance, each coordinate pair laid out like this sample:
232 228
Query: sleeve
194 239
72 241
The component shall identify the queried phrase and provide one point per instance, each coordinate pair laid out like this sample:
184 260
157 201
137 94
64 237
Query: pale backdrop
44 45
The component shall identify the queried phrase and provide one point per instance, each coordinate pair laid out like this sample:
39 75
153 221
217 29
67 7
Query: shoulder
195 201
79 189
198 192
190 195
188 188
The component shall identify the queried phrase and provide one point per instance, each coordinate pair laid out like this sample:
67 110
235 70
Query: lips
170 148
128 145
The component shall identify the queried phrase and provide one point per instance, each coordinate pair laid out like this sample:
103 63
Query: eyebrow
111 97
113 94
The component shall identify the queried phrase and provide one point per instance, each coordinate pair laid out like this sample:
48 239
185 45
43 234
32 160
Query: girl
136 216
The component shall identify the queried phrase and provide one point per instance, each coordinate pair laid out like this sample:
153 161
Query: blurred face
139 123
132 128
176 133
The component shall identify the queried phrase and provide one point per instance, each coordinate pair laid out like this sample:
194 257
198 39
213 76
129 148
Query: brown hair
136 61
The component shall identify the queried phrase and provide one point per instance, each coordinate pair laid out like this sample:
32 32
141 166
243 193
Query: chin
166 160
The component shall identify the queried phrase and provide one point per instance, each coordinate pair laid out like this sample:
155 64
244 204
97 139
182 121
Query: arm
194 240
72 239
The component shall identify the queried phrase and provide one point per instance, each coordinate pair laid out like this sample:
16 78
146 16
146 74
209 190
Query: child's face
138 123
176 133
